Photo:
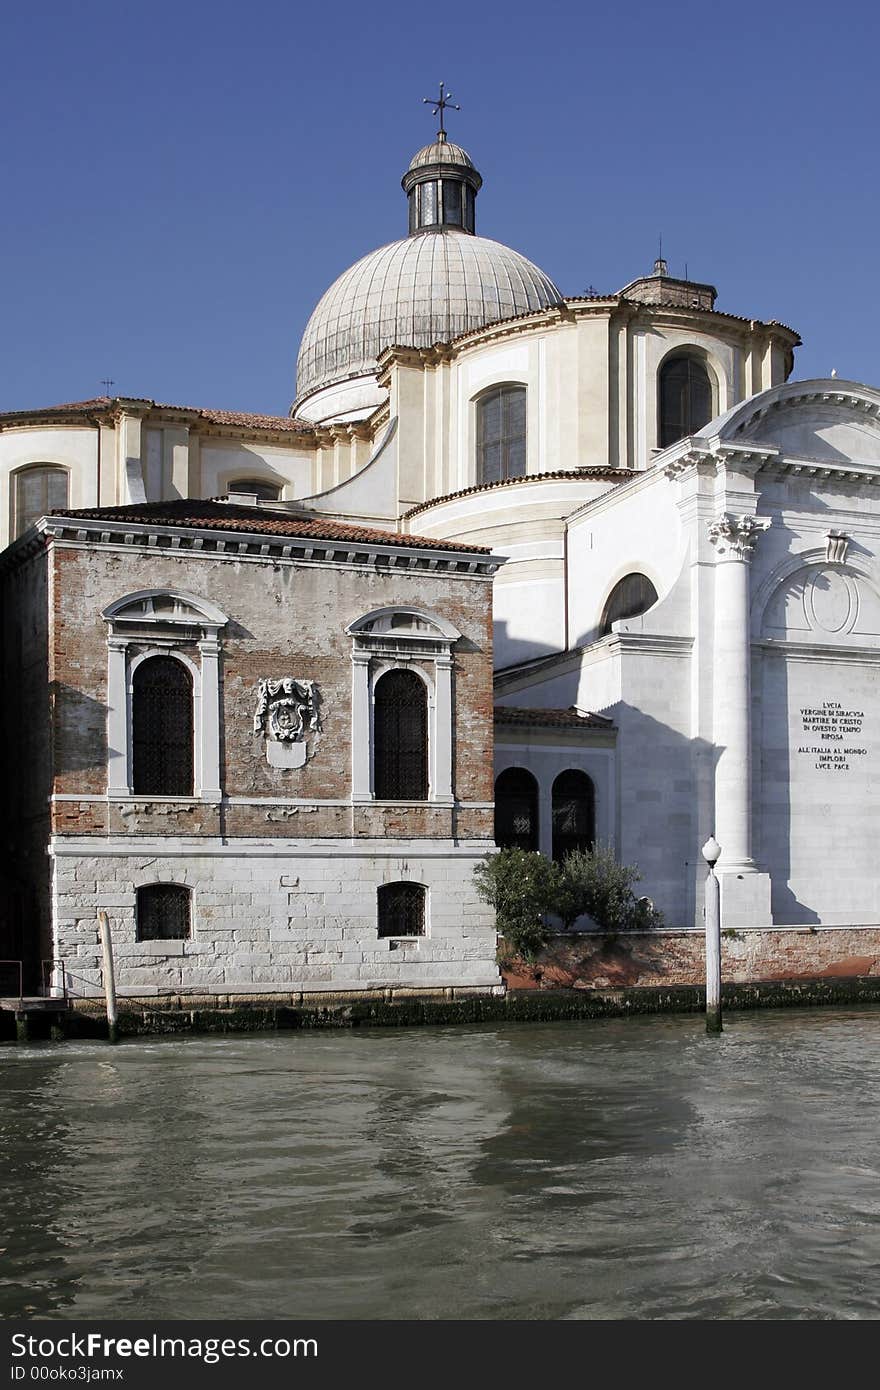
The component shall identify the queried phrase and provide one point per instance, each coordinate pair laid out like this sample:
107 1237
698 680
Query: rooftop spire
440 104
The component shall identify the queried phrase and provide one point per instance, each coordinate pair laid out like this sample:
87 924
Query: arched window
401 909
254 487
400 727
501 434
38 491
162 728
685 397
632 595
516 809
574 812
163 912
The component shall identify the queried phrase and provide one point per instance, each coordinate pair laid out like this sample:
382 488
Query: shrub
522 886
592 883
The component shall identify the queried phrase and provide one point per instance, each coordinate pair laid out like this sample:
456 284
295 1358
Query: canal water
614 1169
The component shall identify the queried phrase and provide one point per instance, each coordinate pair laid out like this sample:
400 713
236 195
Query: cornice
249 545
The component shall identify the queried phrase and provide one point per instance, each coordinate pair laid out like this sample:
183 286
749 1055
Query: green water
623 1168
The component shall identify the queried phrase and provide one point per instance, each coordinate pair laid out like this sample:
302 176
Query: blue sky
183 181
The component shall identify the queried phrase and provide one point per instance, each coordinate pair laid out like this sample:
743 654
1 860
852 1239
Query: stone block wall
278 918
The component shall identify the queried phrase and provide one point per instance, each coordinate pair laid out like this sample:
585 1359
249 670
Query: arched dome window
574 812
685 392
632 595
501 434
516 809
39 489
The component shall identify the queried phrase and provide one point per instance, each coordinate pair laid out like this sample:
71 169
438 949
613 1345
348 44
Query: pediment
826 421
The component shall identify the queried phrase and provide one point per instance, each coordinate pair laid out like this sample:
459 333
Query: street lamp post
711 853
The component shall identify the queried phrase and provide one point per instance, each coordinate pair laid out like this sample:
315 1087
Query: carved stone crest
287 711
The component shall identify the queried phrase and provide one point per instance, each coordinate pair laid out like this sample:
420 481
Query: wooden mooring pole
109 976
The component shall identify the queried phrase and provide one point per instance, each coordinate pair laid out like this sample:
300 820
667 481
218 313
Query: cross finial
107 382
440 104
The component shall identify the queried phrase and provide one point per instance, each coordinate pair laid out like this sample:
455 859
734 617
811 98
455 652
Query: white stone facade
273 917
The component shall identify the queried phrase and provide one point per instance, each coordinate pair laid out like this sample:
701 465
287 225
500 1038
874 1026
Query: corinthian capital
734 537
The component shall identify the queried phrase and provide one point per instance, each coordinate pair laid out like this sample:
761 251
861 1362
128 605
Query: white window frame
380 643
137 632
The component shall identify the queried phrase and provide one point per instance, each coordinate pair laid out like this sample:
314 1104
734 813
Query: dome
440 281
441 152
422 290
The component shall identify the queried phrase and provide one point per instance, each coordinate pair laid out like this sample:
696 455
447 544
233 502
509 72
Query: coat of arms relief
288 710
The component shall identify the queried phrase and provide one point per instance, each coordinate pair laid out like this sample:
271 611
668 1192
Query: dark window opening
685 398
401 909
37 492
400 730
162 728
501 434
631 596
254 487
574 812
163 912
516 809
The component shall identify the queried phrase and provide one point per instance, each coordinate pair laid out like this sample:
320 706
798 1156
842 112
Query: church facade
682 547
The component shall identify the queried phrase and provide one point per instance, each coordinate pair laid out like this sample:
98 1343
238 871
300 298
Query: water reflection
617 1169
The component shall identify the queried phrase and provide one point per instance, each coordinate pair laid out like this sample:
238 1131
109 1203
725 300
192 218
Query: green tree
522 886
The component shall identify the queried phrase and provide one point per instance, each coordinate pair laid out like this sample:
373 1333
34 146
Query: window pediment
155 608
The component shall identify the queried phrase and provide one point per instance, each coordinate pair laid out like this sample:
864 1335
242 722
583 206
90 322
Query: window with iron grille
685 398
38 491
516 809
401 909
162 728
400 737
501 434
632 595
163 912
574 802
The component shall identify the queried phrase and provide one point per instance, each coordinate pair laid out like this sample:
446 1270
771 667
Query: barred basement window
516 809
400 726
574 803
401 909
163 912
162 728
685 398
501 434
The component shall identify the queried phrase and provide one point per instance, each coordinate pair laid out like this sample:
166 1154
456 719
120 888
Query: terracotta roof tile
551 718
222 516
214 417
600 474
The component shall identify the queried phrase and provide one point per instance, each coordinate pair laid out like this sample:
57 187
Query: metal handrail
47 968
20 965
67 975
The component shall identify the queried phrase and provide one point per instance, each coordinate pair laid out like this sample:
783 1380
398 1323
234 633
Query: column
745 892
441 789
209 741
117 718
361 779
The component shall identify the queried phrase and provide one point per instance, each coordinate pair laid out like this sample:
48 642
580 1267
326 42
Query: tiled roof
551 718
211 417
222 516
597 473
